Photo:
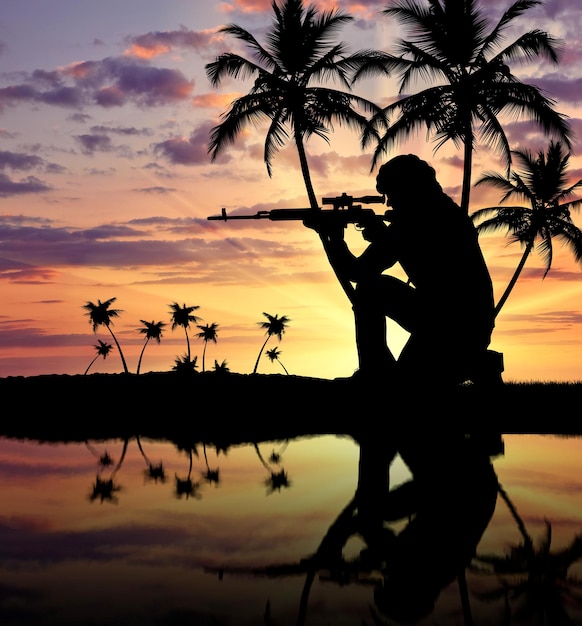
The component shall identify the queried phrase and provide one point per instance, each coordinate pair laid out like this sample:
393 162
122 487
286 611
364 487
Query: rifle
344 209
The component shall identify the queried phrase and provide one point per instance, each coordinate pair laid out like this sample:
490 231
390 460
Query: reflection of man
449 502
447 305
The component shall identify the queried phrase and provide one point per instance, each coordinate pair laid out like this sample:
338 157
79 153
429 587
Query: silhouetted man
447 304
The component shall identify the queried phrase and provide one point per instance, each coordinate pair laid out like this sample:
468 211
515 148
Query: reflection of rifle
344 209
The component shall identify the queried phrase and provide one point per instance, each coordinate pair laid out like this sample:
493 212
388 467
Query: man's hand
325 225
374 230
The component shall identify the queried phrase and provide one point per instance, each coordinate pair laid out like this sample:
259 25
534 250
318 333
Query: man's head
405 177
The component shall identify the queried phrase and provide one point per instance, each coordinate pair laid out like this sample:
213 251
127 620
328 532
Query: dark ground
240 408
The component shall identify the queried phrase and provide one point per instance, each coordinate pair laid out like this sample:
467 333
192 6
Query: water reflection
325 530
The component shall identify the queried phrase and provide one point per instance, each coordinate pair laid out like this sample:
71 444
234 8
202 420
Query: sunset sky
106 184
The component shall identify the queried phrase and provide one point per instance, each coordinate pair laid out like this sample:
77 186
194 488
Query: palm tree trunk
305 171
260 353
120 351
141 355
204 355
346 285
514 278
187 342
93 361
286 372
467 168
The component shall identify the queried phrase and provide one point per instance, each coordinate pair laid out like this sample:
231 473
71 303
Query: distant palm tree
101 315
207 333
151 330
103 349
450 42
543 183
274 326
182 316
221 368
298 56
274 354
185 366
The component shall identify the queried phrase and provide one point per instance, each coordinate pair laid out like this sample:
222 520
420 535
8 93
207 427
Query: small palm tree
274 354
221 368
298 56
182 316
185 366
103 349
543 183
151 330
101 314
274 326
451 44
207 333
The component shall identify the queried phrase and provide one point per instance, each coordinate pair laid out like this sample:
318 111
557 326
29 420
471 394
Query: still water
144 532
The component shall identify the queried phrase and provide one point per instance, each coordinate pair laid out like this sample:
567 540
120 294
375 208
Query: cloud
110 82
94 143
153 44
190 151
30 184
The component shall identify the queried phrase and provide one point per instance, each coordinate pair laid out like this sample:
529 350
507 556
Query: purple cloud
94 143
30 184
191 151
113 81
155 43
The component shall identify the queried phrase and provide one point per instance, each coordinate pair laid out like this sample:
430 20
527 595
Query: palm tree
451 43
182 316
221 368
543 183
103 349
151 330
101 315
208 333
298 56
274 354
274 326
185 366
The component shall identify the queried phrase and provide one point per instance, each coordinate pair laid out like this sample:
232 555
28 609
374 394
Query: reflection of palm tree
104 490
299 52
451 44
151 330
277 480
153 472
182 316
210 475
543 183
546 585
207 333
274 326
274 354
105 459
103 349
101 315
185 486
